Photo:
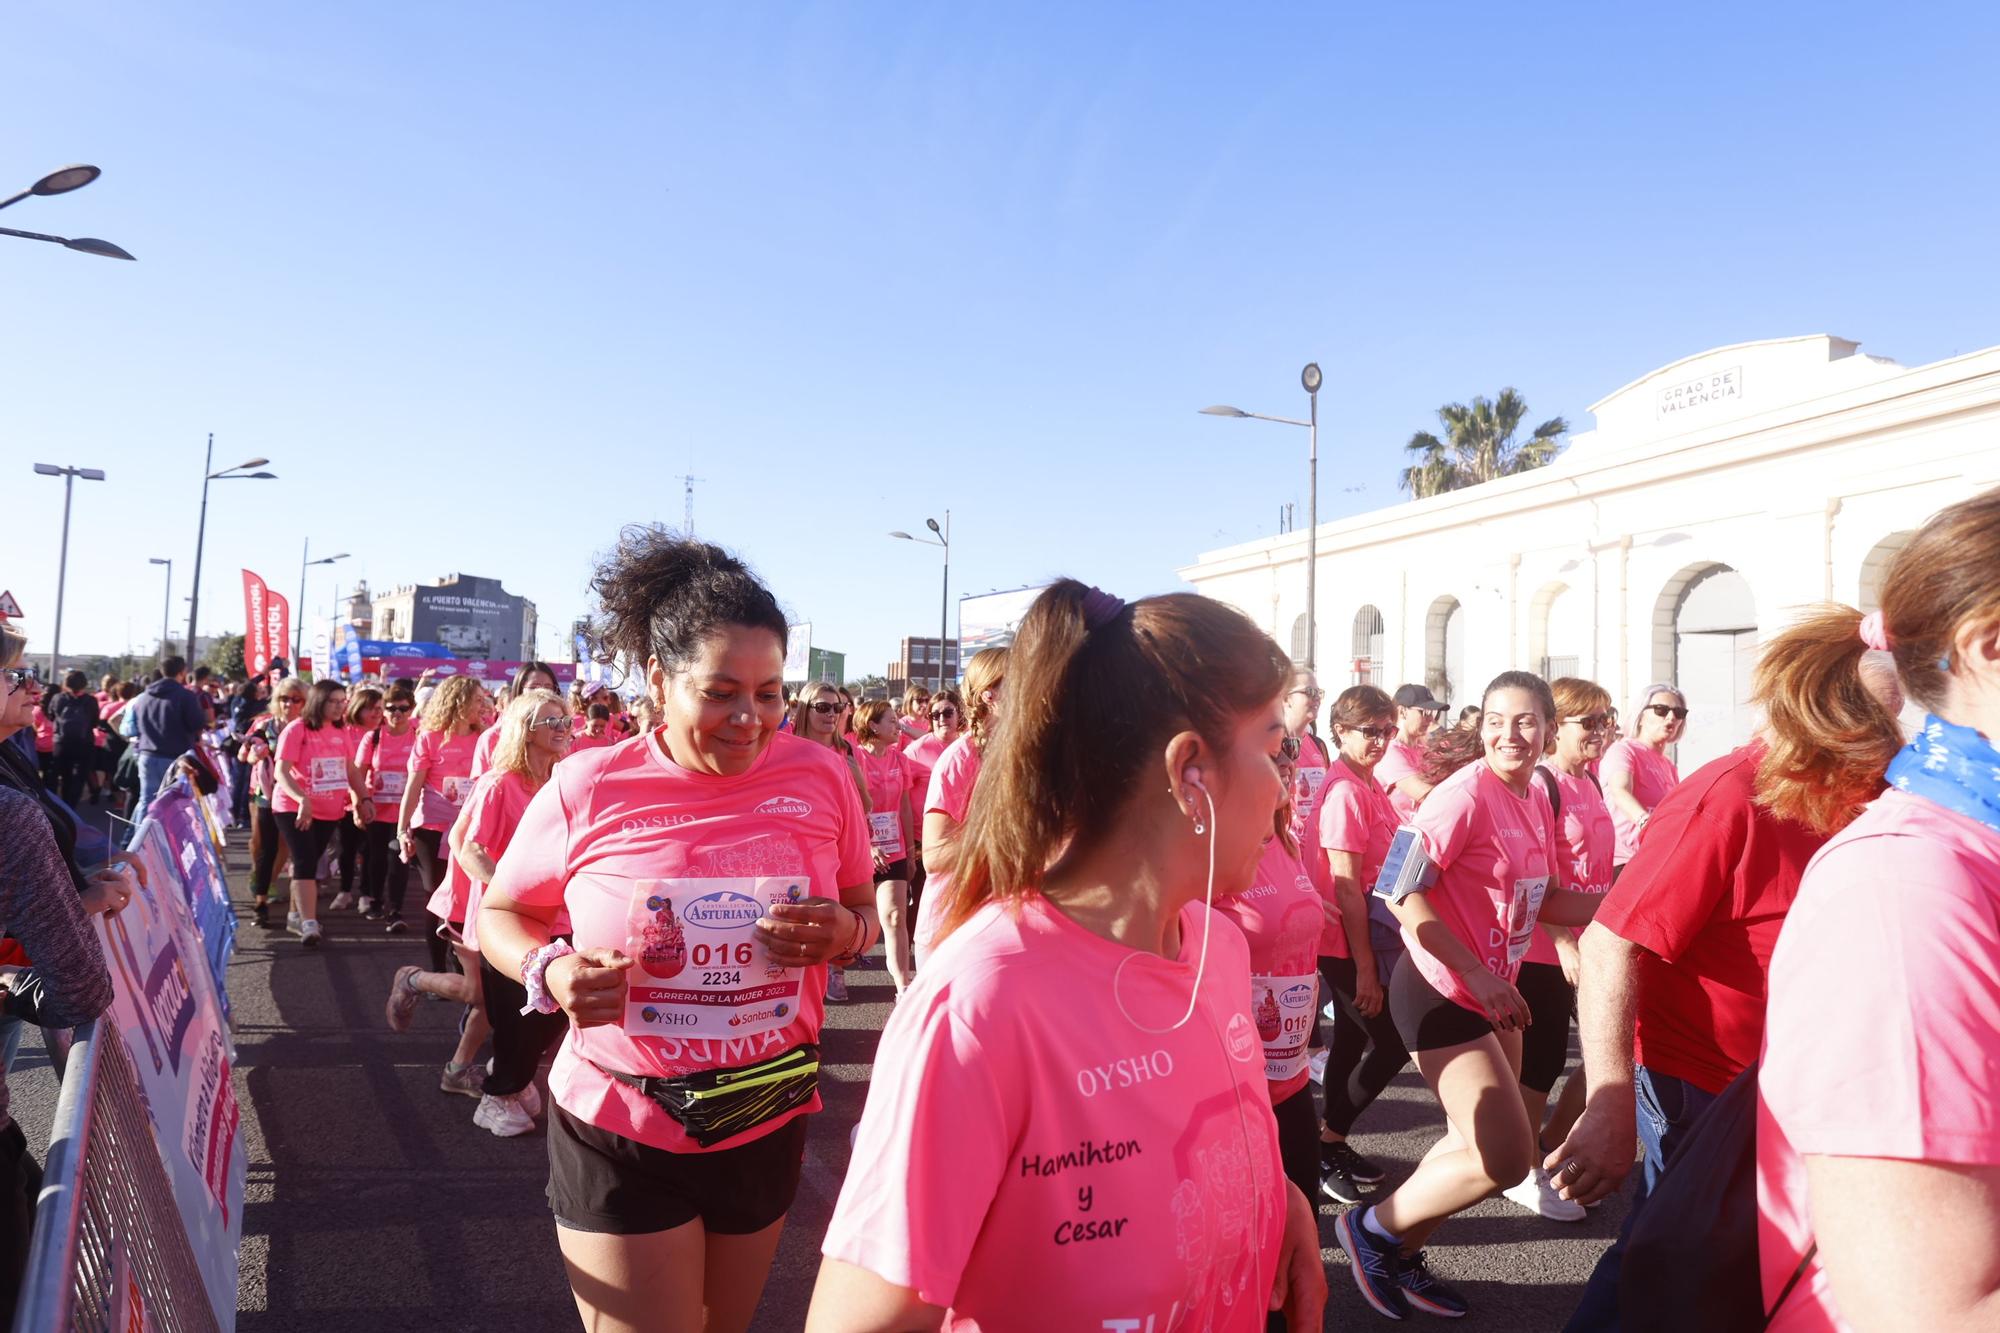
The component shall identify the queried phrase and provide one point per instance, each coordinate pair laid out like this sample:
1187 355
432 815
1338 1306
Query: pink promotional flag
266 624
277 627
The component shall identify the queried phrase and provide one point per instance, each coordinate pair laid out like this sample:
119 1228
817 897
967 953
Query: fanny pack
718 1104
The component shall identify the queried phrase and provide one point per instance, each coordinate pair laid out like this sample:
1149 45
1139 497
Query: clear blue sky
481 280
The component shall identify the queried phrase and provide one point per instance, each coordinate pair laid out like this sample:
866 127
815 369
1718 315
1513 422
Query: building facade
917 660
1715 498
474 617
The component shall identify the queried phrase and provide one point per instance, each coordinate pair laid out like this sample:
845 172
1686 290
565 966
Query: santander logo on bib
786 805
726 910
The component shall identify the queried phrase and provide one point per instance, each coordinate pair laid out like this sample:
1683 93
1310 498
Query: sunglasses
293 701
396 708
1289 747
1594 721
1383 734
825 709
552 723
1314 693
939 714
17 677
1667 710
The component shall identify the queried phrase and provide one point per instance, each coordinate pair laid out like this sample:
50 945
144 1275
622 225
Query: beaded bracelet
534 977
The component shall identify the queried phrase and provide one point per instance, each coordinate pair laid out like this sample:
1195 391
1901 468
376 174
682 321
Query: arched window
1368 643
1299 639
1875 568
1705 641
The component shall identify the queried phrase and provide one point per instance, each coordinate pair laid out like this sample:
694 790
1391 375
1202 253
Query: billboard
798 651
991 619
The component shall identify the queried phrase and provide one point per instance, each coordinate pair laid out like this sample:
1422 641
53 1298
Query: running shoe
309 934
1537 1194
370 911
1376 1266
467 1082
396 926
341 902
1429 1292
261 914
1359 1169
1335 1183
403 999
836 985
505 1117
294 924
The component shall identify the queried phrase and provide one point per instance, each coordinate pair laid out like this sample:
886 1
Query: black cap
1416 696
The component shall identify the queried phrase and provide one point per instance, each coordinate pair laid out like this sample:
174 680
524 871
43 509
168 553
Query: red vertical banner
255 658
277 628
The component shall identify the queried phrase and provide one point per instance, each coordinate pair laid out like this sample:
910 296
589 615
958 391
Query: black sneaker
374 913
1336 1184
1376 1266
1429 1292
396 926
1358 1168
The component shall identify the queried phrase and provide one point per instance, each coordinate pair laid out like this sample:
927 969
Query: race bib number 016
700 970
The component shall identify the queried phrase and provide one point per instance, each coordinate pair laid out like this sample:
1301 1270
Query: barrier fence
141 1208
109 1251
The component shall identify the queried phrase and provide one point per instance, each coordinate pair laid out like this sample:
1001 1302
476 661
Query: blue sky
483 280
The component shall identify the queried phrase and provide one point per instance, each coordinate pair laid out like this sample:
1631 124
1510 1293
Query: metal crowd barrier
106 1216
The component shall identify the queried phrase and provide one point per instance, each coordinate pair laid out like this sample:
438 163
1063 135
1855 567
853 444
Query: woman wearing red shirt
710 873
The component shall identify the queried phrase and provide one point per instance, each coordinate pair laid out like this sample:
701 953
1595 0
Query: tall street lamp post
1309 378
166 602
236 473
69 476
942 538
62 182
299 615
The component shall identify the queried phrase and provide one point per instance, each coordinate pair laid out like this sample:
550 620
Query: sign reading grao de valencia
1703 391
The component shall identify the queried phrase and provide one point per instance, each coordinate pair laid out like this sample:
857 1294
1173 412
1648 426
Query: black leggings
385 876
20 1184
353 847
519 1040
269 843
1366 1052
307 844
429 857
1545 1045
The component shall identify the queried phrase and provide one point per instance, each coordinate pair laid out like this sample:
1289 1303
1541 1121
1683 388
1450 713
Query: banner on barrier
188 836
169 1014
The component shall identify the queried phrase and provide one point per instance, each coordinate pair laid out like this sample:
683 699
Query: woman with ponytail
1671 997
709 872
949 792
1878 1152
1069 1124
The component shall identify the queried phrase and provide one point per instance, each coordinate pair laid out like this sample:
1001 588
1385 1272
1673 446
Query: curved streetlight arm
1254 416
921 541
88 245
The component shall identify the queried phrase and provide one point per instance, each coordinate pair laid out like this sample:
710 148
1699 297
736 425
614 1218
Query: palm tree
1479 446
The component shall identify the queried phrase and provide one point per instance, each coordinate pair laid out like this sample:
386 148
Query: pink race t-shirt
1399 761
492 813
889 780
449 780
1882 1032
385 758
321 758
583 740
951 785
1044 1148
1583 847
1496 857
1356 817
923 755
1651 775
482 753
1280 916
674 868
1309 785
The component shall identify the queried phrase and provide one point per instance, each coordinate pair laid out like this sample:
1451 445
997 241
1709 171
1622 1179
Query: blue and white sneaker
1429 1292
1376 1265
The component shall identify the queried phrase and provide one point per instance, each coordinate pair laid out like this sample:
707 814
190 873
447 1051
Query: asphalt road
373 1203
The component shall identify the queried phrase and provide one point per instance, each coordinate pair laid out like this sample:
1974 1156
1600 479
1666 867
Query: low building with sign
1714 497
471 616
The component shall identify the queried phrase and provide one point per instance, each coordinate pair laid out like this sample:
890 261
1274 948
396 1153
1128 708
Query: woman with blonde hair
950 791
1636 772
818 713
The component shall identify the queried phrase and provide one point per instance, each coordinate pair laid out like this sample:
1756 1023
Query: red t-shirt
1705 897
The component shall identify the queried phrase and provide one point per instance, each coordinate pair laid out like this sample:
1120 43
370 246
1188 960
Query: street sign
9 608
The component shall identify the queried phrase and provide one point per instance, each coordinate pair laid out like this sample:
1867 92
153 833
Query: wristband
858 946
534 977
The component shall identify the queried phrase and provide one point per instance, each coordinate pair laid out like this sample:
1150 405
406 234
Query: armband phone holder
1407 869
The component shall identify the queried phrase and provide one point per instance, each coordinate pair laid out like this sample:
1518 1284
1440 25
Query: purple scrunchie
1099 607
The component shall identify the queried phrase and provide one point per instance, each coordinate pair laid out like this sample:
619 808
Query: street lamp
166 602
236 473
943 539
69 476
62 182
1309 379
299 612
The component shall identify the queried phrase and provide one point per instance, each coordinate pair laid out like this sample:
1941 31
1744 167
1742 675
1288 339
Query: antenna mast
687 528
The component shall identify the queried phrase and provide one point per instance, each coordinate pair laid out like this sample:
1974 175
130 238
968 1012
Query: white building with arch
1714 497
